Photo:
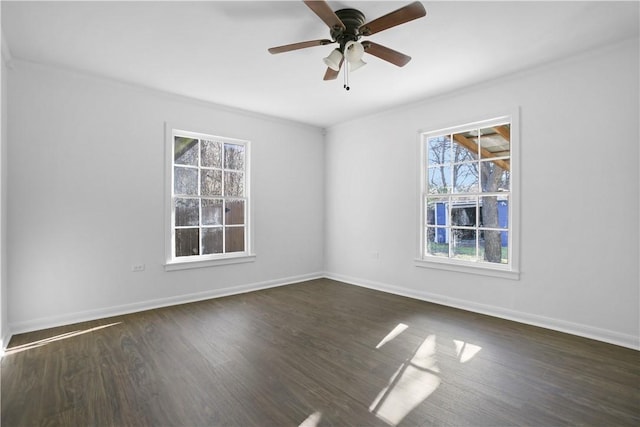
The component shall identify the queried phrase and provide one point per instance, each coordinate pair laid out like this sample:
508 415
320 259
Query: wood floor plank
321 351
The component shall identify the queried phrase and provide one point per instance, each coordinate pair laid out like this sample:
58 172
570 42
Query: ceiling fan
346 27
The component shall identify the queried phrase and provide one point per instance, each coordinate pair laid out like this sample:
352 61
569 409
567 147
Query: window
209 198
467 196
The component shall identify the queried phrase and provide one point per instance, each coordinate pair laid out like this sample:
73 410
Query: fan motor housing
352 19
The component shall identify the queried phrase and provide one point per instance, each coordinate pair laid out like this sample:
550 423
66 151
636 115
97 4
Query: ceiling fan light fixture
333 60
346 26
354 65
354 51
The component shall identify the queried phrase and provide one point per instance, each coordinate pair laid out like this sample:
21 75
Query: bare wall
4 322
579 190
85 198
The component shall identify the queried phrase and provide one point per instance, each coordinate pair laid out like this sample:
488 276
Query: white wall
4 321
579 211
85 200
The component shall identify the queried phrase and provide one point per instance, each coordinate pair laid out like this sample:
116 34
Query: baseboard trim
84 316
559 325
604 335
5 342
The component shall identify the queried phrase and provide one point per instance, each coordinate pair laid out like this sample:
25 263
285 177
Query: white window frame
509 270
197 261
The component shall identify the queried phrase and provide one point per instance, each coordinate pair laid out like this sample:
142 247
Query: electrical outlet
137 267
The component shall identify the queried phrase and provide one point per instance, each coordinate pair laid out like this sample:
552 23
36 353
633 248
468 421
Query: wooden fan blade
301 45
324 12
389 55
331 74
408 13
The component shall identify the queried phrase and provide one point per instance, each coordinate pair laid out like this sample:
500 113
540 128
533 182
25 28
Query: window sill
202 263
483 270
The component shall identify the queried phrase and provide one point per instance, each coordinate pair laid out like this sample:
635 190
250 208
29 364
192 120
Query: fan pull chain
346 75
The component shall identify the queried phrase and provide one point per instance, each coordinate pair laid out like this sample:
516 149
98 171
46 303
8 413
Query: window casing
209 215
468 198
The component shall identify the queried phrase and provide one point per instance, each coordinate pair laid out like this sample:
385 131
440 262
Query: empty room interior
310 213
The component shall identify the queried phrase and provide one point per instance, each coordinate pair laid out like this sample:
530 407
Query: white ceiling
217 51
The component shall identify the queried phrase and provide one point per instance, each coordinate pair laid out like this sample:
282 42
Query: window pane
504 182
211 241
494 246
185 181
436 213
234 156
211 211
494 211
437 242
465 178
234 212
494 177
211 182
234 237
209 195
439 150
211 153
187 213
465 147
466 194
464 244
493 143
234 184
463 211
187 242
185 151
439 178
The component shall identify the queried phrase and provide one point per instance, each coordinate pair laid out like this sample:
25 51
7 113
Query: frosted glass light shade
356 65
333 60
354 51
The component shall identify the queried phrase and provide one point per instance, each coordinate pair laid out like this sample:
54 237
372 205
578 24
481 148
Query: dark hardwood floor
319 353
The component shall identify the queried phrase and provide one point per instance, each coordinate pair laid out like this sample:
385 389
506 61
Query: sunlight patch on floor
400 328
409 386
312 420
40 343
415 379
466 351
